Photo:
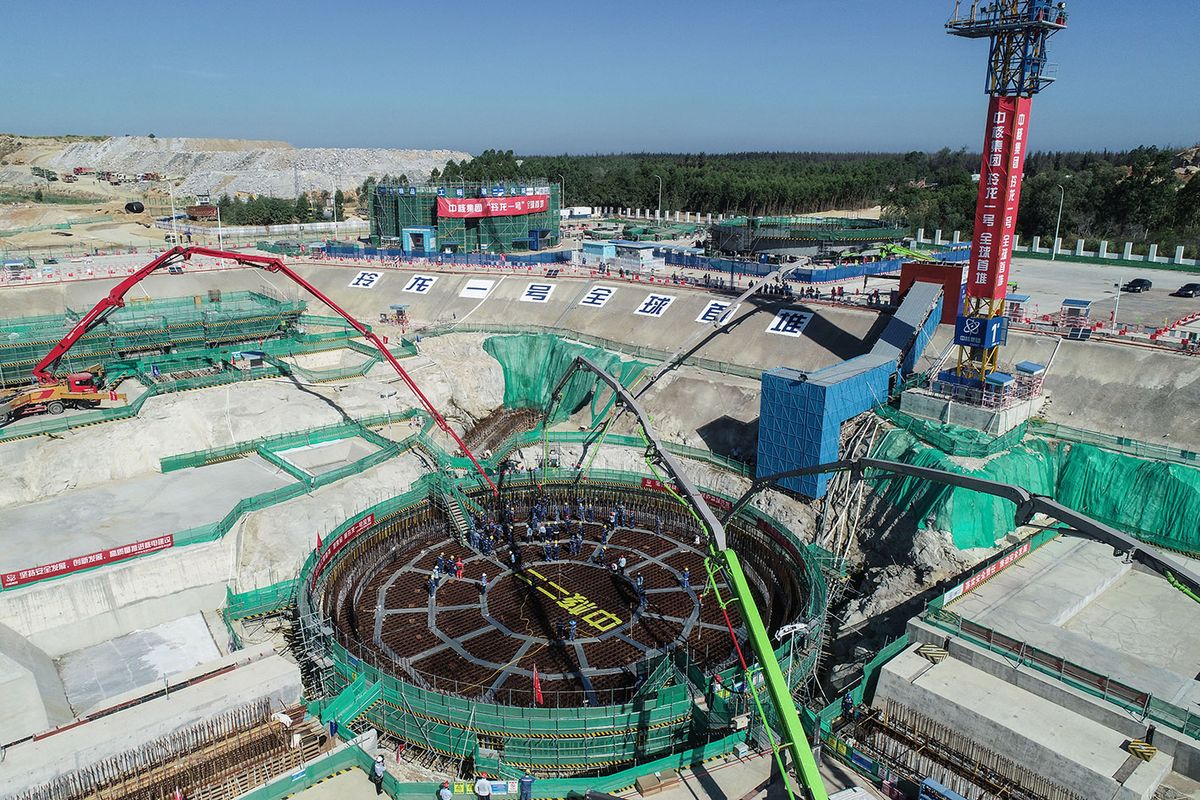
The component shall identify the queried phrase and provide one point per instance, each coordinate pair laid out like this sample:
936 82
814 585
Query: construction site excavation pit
600 588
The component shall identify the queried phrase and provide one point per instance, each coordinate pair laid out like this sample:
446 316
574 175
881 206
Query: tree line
263 210
1134 195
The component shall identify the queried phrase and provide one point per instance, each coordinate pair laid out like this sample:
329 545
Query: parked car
1188 290
1137 285
175 269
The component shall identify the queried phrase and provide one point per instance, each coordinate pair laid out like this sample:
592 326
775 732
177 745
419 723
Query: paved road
1048 283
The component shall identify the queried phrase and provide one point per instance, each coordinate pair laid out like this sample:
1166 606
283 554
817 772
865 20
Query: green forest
1140 195
264 210
1134 195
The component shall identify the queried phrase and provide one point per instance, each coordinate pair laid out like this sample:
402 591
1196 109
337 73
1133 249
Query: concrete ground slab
350 785
260 674
1074 599
1145 617
1048 283
95 674
1080 754
89 520
317 459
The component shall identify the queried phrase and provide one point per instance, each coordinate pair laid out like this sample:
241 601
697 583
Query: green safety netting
1159 502
1156 501
974 519
533 363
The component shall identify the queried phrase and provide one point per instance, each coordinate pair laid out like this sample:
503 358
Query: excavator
54 394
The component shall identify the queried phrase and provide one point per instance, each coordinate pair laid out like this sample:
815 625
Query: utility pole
1062 194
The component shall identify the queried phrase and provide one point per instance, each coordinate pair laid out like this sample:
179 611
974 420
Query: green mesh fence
362 692
1158 502
147 325
953 439
651 354
532 362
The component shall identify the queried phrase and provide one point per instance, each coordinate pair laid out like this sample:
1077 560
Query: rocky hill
218 166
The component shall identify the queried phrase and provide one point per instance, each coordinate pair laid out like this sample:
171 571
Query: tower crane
1017 32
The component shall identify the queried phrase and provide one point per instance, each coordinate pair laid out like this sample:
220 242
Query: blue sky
553 77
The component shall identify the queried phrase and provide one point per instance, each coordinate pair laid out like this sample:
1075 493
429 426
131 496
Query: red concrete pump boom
116 299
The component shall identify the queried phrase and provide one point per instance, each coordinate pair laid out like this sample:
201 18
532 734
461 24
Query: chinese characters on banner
337 544
32 574
789 322
476 207
1000 173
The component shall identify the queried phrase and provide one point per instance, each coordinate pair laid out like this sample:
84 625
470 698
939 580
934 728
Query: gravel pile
218 166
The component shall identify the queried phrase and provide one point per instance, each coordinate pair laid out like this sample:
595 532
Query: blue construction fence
728 266
453 259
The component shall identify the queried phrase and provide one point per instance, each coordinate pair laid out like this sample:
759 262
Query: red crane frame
116 299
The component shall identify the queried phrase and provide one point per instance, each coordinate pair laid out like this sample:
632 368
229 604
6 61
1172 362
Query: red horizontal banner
338 543
656 485
34 574
469 207
716 502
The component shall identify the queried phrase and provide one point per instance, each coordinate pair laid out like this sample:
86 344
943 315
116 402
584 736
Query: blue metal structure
801 414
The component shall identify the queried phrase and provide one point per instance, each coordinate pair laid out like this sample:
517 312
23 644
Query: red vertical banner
537 687
1004 147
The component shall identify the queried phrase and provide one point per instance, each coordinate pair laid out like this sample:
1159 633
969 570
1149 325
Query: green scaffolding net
1155 501
533 363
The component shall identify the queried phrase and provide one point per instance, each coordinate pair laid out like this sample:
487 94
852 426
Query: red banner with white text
1000 173
475 207
338 543
34 574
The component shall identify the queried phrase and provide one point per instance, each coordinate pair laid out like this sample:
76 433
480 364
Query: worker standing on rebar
685 579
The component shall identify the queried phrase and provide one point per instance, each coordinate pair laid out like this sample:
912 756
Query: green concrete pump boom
760 642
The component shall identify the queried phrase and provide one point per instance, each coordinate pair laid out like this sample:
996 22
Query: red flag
537 687
318 540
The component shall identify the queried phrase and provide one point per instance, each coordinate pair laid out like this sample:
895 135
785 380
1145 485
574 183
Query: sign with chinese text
32 574
597 296
420 284
340 542
365 280
789 322
499 206
717 311
978 331
537 293
655 305
1003 165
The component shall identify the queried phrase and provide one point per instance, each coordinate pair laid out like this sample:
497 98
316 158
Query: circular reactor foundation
561 608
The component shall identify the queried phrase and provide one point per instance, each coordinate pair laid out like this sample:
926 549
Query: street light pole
562 192
659 196
1062 193
1116 306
